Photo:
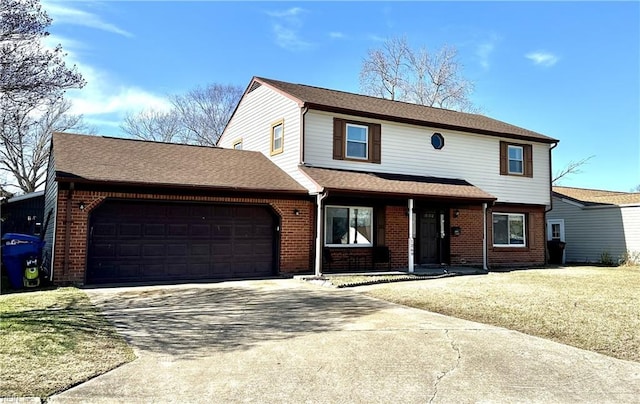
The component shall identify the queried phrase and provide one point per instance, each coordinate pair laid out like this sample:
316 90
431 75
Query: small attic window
254 85
437 141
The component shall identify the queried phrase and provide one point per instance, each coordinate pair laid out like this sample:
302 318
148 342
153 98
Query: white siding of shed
592 232
50 208
406 149
631 220
252 122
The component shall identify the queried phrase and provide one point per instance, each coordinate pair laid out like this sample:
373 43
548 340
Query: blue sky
568 70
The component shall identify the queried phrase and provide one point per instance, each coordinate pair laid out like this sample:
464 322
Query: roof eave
82 180
408 195
419 122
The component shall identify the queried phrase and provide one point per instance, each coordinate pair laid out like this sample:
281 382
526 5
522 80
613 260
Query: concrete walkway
286 341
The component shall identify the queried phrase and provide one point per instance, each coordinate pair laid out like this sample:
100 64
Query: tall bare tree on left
33 79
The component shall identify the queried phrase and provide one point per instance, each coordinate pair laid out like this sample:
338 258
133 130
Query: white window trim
524 230
347 245
509 159
346 140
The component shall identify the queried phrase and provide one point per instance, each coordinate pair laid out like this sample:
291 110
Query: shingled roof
396 185
96 159
379 108
594 197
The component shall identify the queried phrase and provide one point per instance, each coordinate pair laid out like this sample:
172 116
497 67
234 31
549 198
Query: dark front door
429 237
131 241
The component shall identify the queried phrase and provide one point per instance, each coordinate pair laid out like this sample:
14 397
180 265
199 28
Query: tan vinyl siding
407 149
253 121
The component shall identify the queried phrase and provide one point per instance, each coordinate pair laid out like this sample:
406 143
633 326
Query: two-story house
431 186
324 181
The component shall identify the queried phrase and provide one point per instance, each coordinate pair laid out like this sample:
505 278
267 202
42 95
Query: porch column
319 250
410 250
484 236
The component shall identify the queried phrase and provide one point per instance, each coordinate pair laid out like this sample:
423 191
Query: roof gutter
413 195
391 118
80 180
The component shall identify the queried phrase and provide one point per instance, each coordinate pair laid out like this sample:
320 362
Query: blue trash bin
16 249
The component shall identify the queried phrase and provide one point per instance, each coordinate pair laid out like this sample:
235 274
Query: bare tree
398 72
32 83
385 70
573 167
197 117
154 125
24 141
31 74
636 188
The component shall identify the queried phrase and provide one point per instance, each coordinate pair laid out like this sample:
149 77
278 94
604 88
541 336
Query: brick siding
296 233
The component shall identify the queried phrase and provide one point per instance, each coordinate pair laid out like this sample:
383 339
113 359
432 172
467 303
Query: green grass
52 340
597 309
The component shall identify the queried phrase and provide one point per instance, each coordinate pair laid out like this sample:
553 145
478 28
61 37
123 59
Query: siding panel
252 123
591 232
406 149
50 210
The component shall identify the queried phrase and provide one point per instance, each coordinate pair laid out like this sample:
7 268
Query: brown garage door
142 241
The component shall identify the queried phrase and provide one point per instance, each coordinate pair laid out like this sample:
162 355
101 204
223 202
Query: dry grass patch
597 309
52 340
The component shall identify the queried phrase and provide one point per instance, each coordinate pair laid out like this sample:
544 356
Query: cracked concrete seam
456 349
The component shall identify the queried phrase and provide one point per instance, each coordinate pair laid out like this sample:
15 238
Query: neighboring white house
596 225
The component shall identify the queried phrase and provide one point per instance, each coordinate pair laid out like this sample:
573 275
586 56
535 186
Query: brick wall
466 249
296 235
397 235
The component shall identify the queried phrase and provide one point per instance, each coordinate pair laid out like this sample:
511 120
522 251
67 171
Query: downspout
318 264
303 112
546 252
484 237
67 229
410 243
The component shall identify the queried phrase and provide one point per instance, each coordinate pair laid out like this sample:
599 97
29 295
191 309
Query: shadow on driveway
185 322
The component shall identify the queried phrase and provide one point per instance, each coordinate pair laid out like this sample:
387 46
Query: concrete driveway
285 341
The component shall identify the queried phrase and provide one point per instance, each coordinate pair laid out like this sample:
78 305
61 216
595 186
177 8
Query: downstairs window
509 230
348 226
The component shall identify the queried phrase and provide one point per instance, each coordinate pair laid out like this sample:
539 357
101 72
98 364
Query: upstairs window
516 159
277 137
357 141
237 144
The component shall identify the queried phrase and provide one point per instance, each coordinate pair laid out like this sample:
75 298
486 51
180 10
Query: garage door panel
153 241
154 229
177 230
153 250
129 250
105 229
200 231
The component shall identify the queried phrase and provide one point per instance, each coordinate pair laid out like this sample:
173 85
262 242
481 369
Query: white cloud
485 49
292 12
62 14
337 35
542 58
286 26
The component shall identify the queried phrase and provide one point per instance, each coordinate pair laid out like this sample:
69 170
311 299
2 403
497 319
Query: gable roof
97 159
395 185
593 197
379 108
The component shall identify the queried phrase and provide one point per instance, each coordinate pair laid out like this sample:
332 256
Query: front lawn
52 340
597 309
